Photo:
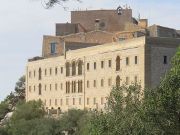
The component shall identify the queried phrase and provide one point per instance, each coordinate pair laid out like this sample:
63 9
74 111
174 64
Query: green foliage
4 109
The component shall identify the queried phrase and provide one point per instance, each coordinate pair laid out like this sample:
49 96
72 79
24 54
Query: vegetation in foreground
129 112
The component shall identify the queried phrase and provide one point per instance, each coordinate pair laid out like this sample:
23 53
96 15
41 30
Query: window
102 64
102 83
102 101
73 68
73 86
29 88
50 86
135 79
56 71
127 80
117 63
88 66
87 101
80 86
79 101
45 72
165 60
94 65
61 70
94 101
34 73
45 87
50 71
136 60
80 67
127 61
73 101
34 88
40 87
67 69
87 84
40 72
94 83
29 74
67 87
109 63
56 86
117 81
61 86
109 82
53 48
55 102
61 102
49 102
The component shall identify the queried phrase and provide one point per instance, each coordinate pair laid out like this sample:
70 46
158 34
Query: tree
4 109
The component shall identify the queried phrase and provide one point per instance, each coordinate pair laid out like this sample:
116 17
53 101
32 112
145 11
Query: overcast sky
24 22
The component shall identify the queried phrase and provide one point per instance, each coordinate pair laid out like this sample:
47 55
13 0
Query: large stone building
81 64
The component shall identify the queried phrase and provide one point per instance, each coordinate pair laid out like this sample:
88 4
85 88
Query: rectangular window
34 73
109 63
102 83
29 88
102 101
50 102
109 82
127 61
136 60
87 84
45 87
56 86
50 86
87 101
94 101
127 80
50 71
102 64
94 83
56 71
61 86
165 60
61 102
61 70
29 74
88 66
53 48
79 101
94 65
55 102
45 72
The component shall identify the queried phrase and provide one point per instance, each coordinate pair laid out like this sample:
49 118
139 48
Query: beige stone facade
83 78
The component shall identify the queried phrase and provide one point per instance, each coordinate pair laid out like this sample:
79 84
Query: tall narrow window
94 65
45 72
61 70
50 71
49 102
109 63
102 64
94 101
61 86
80 67
165 60
40 87
87 84
72 87
56 71
117 63
56 86
79 86
67 69
127 61
102 83
88 66
55 102
79 101
53 48
94 83
29 74
136 60
102 101
67 101
34 73
117 81
73 68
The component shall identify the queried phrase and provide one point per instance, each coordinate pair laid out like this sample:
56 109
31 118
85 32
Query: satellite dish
119 10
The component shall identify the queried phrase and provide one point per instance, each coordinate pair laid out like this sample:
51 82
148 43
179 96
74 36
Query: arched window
73 68
118 81
80 67
40 72
117 63
67 69
40 87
